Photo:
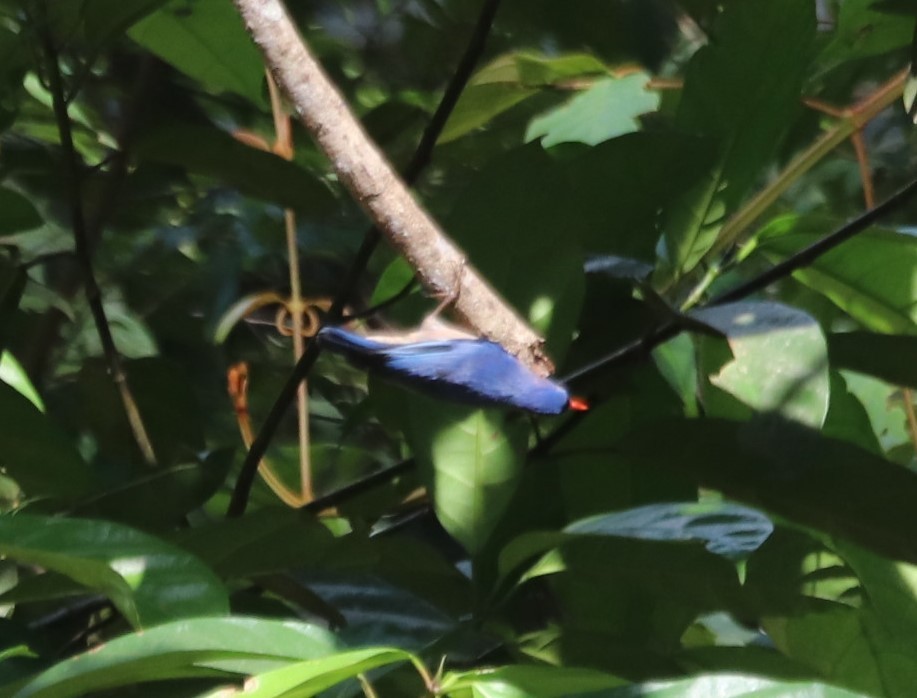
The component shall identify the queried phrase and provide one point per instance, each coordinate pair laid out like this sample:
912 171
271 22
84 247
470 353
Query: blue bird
472 371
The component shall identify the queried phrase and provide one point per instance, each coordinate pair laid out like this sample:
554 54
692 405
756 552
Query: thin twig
81 241
240 495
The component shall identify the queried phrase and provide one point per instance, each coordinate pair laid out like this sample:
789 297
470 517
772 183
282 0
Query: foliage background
735 515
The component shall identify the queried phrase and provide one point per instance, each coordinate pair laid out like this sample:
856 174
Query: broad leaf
147 579
213 153
609 108
185 648
519 681
207 41
509 80
889 357
305 679
791 471
871 276
779 361
471 460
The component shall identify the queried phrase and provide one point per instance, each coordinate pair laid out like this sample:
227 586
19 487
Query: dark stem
72 178
419 161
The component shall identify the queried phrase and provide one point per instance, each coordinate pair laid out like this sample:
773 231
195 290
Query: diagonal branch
81 240
375 186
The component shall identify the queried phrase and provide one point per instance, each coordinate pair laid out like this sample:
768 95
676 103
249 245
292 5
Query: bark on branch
379 191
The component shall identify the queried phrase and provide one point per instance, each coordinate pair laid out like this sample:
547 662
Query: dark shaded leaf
889 357
37 453
793 472
214 153
207 41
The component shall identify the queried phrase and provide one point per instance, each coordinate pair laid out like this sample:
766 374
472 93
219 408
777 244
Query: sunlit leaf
147 579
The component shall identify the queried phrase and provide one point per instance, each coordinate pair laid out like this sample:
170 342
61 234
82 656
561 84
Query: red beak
578 404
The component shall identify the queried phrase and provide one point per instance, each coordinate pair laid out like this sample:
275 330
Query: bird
461 369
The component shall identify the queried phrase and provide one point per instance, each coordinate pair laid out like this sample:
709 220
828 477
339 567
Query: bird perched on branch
456 367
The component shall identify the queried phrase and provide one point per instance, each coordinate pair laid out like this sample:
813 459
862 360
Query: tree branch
81 240
375 186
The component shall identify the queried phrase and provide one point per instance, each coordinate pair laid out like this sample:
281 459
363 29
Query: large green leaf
305 679
149 581
471 460
779 361
185 648
609 108
872 277
207 41
38 454
889 357
213 153
741 90
792 471
518 681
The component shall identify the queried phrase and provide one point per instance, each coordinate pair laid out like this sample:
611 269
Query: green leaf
509 80
609 108
16 212
213 153
472 461
185 648
37 453
889 357
207 41
779 360
12 373
871 277
518 681
308 678
791 471
148 580
741 90
847 417
726 529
